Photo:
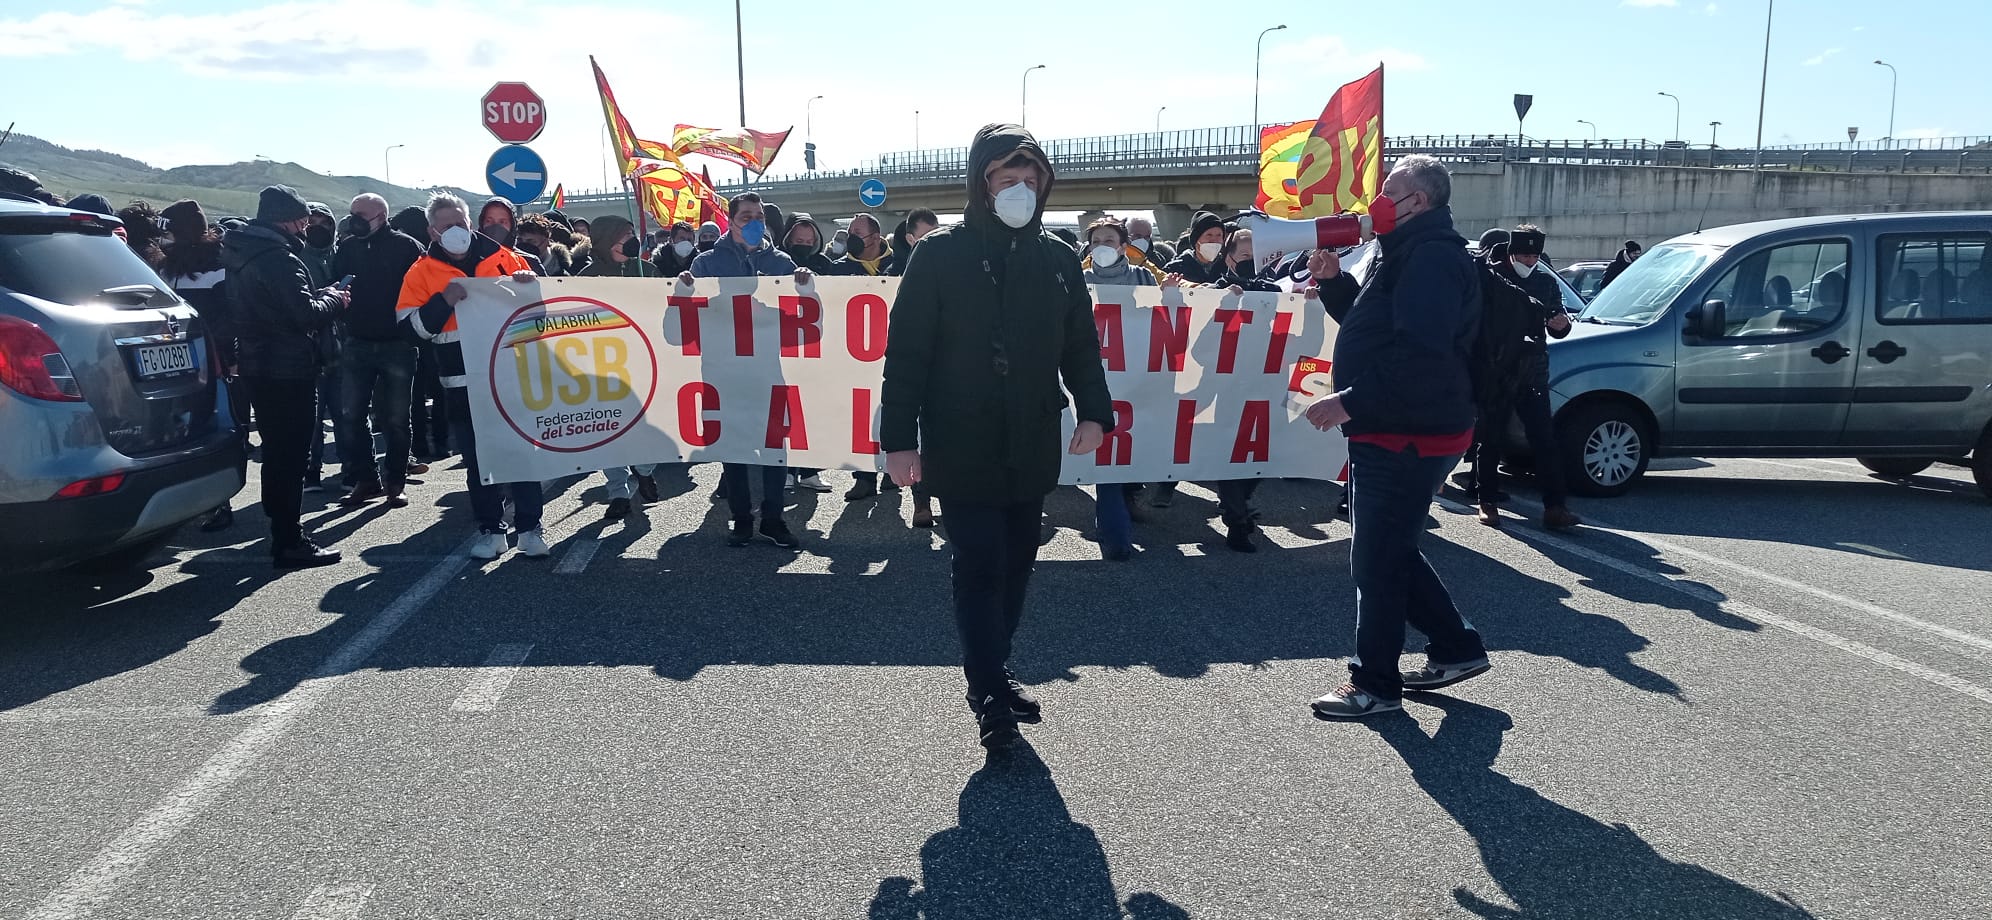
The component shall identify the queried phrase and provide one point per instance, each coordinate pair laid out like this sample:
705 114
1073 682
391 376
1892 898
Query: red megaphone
1277 234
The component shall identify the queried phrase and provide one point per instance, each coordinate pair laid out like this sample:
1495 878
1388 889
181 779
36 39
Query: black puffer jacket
279 316
987 323
811 258
377 262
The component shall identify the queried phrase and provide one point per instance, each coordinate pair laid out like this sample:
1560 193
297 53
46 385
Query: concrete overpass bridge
1589 195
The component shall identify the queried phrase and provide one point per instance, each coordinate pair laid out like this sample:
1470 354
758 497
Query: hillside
227 189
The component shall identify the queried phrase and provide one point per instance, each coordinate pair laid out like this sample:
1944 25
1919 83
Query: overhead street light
1594 127
387 168
1024 115
1258 51
1158 118
1677 115
1892 78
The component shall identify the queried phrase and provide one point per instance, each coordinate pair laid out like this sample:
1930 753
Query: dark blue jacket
1403 355
729 259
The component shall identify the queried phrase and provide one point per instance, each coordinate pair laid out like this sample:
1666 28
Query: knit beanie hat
280 204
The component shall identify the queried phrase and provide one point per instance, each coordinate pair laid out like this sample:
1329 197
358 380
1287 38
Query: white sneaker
488 546
814 483
533 544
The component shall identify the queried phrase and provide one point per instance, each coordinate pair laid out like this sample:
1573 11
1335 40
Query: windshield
49 260
1649 285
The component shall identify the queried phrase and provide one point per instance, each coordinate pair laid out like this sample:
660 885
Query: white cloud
1710 9
1649 3
1822 57
1860 28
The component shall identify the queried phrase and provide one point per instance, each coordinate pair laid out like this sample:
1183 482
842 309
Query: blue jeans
621 483
740 497
376 376
330 408
1389 495
487 502
1111 515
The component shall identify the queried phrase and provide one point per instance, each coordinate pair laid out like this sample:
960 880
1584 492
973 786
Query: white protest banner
575 374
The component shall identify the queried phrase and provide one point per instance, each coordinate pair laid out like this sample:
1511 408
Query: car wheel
1606 447
1896 467
125 558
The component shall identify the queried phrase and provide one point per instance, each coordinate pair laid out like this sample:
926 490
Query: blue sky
330 83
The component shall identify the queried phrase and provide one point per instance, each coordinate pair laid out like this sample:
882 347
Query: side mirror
1709 320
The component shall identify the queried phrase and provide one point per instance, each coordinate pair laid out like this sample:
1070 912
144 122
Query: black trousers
428 423
995 547
287 416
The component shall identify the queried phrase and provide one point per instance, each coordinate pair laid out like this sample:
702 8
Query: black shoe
1240 539
888 485
313 484
719 494
777 531
861 490
741 534
1164 497
996 724
1014 700
617 510
222 519
363 493
646 487
1434 676
1119 553
304 554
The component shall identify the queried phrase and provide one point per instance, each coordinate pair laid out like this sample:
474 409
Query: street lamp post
1158 118
1258 51
1711 142
1677 115
1594 127
386 167
1024 113
916 129
809 129
740 64
1764 82
1892 75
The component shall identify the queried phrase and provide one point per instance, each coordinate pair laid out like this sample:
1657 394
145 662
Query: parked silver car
1852 336
109 439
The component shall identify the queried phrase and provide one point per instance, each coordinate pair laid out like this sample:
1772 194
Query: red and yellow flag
670 194
745 146
1341 162
1280 147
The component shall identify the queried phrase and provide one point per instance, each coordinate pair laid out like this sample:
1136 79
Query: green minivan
1864 336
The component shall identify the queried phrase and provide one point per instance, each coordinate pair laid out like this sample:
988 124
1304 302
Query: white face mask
683 248
836 249
1523 269
1209 251
455 240
1016 205
1105 256
1141 243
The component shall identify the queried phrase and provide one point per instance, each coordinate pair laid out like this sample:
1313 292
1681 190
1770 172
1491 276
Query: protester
280 317
1620 263
865 248
579 225
744 253
918 223
428 413
142 233
497 220
804 245
1405 399
621 256
1521 378
708 236
534 237
1107 263
377 359
428 303
93 203
674 256
1236 270
191 265
1199 261
994 279
1154 253
23 186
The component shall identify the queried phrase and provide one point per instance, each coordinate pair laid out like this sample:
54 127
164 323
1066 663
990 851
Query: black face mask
632 247
497 233
532 246
318 236
356 226
705 246
800 252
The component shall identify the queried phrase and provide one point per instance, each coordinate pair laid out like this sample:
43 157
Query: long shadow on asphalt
1015 852
1551 860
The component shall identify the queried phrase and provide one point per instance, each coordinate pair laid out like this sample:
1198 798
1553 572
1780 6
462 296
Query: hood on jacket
610 229
413 221
801 218
240 244
994 144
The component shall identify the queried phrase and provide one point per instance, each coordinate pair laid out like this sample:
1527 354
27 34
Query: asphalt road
1756 690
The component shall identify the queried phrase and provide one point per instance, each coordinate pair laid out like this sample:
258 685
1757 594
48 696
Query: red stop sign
513 113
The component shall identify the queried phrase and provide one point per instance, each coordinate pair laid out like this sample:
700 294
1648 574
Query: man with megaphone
1404 396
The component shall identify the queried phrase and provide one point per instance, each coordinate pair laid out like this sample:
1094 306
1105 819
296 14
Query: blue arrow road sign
872 193
516 174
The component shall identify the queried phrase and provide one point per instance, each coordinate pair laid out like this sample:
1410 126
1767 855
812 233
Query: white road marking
1749 612
1963 638
341 901
575 560
96 882
491 680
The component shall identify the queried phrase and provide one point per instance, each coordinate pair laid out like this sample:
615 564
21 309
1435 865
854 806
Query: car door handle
1831 352
1886 352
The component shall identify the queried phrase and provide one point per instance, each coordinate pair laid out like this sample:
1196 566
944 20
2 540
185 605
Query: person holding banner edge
991 315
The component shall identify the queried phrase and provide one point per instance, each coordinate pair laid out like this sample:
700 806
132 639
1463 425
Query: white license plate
161 360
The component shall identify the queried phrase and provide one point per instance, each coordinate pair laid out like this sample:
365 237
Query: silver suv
109 439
